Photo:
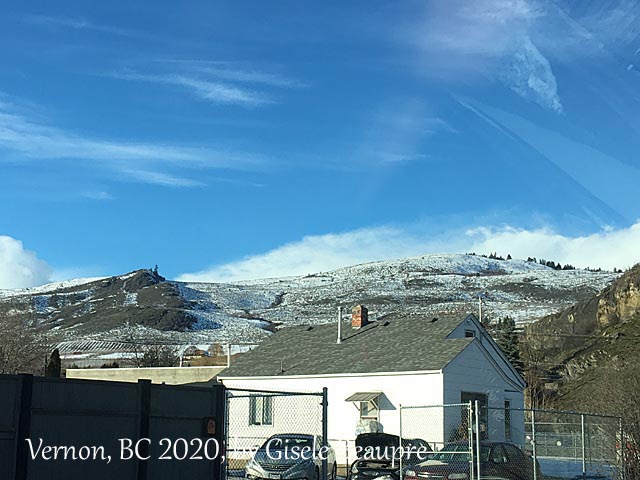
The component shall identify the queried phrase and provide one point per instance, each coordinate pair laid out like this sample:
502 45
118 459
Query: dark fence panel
89 419
8 422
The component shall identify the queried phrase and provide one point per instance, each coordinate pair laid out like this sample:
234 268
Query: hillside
88 316
100 304
581 344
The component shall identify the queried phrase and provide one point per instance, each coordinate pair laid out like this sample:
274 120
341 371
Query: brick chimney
359 316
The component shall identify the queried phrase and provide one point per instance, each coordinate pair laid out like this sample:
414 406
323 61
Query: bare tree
134 338
618 393
23 348
535 375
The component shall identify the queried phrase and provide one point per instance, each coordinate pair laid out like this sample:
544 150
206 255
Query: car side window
514 453
498 455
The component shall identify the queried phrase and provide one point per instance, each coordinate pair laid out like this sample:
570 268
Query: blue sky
227 140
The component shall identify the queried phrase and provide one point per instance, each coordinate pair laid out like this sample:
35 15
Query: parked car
499 460
379 456
291 456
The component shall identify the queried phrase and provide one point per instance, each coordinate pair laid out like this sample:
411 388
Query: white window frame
369 410
261 410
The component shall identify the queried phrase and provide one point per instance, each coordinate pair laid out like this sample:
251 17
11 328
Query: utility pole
339 340
480 308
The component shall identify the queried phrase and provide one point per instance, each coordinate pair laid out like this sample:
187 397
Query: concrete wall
167 375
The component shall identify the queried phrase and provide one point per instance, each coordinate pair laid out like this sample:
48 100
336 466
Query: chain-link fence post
325 431
623 466
472 463
226 447
346 456
584 447
477 443
533 444
401 453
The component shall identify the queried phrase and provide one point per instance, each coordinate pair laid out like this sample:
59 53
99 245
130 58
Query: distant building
168 375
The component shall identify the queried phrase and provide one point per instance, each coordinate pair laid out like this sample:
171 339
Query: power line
574 335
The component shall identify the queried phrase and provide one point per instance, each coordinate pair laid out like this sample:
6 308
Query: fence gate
254 417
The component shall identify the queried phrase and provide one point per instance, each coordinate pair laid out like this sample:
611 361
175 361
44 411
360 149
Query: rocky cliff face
620 302
580 343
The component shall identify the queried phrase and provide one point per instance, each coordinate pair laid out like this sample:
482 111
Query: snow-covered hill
88 315
430 284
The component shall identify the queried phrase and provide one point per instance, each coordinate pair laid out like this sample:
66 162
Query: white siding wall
460 330
516 399
472 372
414 389
488 343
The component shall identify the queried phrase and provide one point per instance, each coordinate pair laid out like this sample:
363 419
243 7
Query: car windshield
286 442
459 453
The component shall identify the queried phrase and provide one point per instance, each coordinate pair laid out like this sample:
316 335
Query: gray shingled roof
393 344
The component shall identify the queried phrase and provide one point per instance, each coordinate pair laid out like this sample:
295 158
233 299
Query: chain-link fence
277 435
448 433
472 441
570 445
559 444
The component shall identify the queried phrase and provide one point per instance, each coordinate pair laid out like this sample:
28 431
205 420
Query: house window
507 419
368 410
470 333
466 397
260 410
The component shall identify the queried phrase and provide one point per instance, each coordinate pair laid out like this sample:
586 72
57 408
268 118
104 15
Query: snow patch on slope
49 287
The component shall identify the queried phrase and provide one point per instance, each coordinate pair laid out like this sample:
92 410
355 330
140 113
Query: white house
375 368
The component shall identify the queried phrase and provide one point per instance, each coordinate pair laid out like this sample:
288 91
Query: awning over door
364 397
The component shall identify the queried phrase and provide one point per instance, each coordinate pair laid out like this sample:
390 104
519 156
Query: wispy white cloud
20 268
396 131
24 138
163 179
216 81
212 91
528 73
393 158
613 26
236 72
97 195
77 23
314 254
220 93
608 249
480 29
488 38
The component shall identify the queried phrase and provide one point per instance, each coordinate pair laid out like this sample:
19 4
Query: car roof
486 443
